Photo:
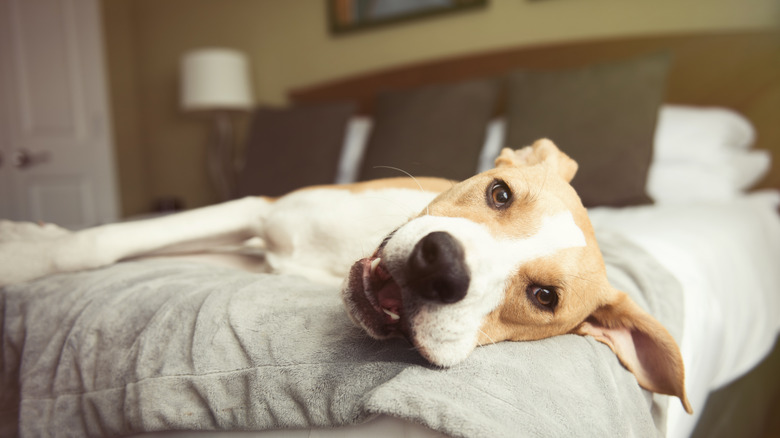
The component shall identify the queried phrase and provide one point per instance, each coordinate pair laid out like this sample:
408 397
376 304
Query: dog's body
508 254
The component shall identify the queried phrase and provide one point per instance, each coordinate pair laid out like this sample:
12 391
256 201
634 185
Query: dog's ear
641 343
542 151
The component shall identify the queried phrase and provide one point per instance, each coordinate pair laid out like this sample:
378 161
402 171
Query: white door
55 132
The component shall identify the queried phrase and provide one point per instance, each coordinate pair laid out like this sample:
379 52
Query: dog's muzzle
434 272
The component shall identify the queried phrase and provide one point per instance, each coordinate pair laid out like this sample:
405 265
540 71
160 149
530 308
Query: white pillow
750 167
680 183
355 140
703 154
686 133
494 141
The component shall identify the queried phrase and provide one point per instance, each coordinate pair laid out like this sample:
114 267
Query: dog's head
508 254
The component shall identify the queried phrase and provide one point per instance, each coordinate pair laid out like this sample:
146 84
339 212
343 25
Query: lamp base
221 156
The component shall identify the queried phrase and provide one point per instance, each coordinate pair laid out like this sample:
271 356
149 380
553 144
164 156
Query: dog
506 255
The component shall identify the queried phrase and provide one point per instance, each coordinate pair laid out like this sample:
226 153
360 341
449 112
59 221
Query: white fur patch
448 333
319 233
557 232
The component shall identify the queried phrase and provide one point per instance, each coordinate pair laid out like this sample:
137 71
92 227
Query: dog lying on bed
508 254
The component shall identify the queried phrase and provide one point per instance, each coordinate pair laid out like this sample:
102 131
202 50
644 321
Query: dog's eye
544 296
499 194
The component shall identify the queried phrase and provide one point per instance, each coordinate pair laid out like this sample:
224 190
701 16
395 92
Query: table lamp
216 81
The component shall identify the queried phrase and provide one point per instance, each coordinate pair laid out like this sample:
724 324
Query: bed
669 161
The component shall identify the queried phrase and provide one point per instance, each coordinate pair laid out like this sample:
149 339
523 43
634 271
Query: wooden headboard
734 70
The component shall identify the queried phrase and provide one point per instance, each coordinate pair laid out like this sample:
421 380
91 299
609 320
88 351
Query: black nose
436 269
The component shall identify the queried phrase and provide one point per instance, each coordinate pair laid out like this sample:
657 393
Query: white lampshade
215 79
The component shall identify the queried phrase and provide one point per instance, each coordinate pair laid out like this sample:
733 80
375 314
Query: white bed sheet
726 255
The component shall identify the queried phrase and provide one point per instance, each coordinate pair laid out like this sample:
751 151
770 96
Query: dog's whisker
402 171
410 176
544 183
579 277
492 341
575 295
528 194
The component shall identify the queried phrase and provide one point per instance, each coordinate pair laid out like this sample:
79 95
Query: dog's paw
30 250
29 231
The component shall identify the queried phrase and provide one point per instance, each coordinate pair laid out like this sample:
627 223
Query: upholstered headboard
740 71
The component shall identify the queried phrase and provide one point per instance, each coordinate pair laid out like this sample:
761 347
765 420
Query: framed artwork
353 15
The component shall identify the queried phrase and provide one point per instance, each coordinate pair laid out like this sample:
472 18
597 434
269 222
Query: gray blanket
166 345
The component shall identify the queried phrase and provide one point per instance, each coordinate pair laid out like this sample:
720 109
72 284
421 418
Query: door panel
59 156
42 45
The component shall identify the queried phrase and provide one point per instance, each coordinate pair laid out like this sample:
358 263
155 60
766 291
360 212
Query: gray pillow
603 116
289 148
431 131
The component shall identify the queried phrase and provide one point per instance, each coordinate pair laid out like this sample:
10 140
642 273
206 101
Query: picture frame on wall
346 16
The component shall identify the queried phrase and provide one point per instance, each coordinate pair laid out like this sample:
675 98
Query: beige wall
161 150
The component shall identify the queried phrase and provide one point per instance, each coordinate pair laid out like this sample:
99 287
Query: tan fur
429 184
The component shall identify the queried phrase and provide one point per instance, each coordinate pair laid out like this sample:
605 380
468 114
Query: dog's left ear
543 152
641 343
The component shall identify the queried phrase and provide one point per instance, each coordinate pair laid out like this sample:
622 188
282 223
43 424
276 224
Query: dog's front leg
29 251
